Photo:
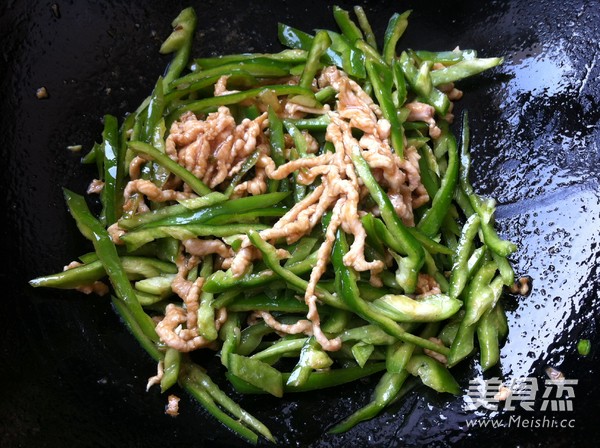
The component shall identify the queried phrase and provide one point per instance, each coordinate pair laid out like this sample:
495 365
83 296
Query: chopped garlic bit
41 93
554 374
172 407
503 393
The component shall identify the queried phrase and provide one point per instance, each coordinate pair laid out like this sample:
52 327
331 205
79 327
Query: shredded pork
340 189
214 148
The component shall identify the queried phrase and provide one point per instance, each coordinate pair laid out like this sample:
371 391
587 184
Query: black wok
70 373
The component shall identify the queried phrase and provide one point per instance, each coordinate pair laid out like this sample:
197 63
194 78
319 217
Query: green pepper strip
428 177
484 210
251 337
204 398
389 384
294 38
304 367
180 42
432 308
282 347
350 295
316 381
385 391
352 58
270 258
431 222
445 57
241 205
264 303
320 44
396 27
172 364
92 229
423 80
196 375
162 159
130 321
435 98
222 281
137 238
172 211
369 334
347 26
206 311
234 98
433 374
257 373
277 145
248 217
246 166
407 241
378 230
383 92
400 94
302 249
487 335
94 270
110 147
365 26
295 56
506 270
311 124
260 67
204 86
154 112
463 69
460 272
478 297
299 139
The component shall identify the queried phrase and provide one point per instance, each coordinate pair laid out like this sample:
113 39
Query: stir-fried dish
306 216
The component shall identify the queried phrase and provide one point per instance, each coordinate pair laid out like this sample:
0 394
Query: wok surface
71 375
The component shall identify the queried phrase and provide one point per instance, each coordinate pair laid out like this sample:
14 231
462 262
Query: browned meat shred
214 147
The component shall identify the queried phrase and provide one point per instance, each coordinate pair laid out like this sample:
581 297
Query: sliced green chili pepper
460 272
312 357
432 308
171 367
485 210
435 98
179 42
319 46
463 69
137 238
350 296
383 90
316 381
288 55
348 27
196 376
431 222
105 249
365 26
270 258
241 205
415 255
395 29
111 150
195 184
433 374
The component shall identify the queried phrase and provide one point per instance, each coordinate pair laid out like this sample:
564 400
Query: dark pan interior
70 373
